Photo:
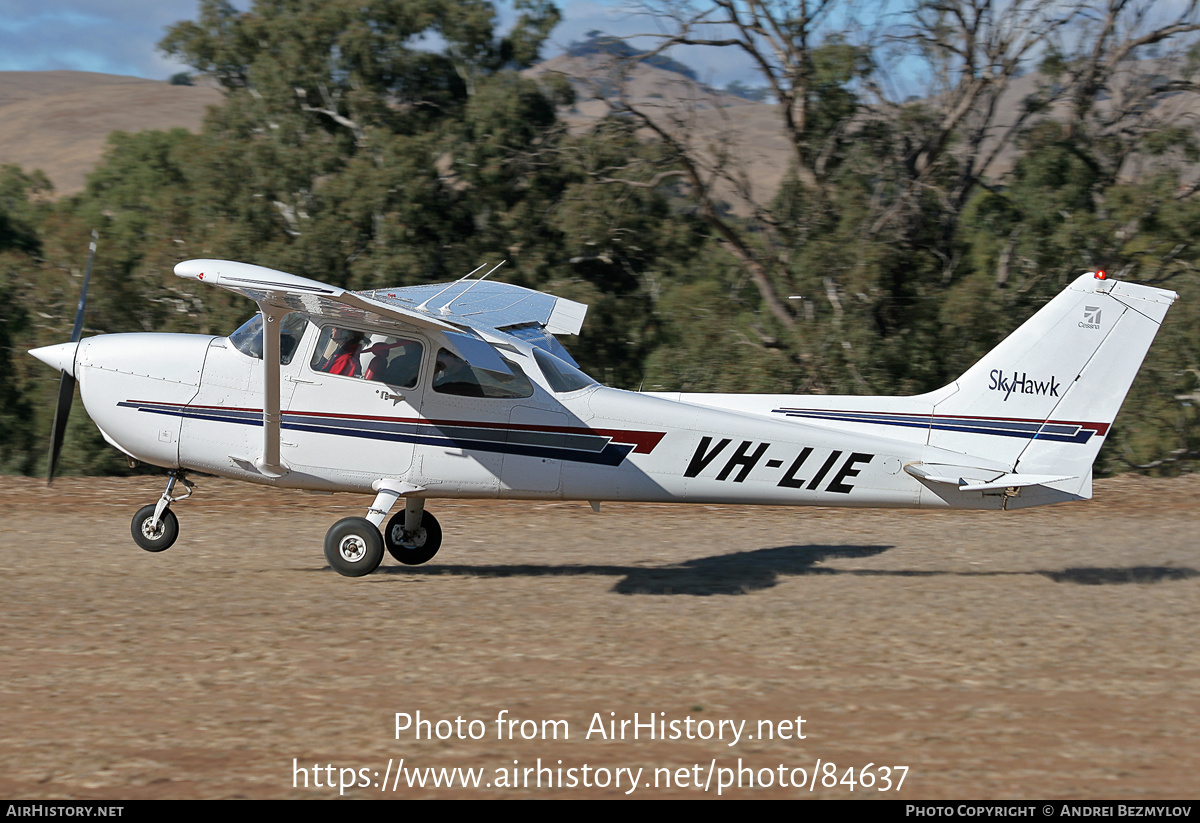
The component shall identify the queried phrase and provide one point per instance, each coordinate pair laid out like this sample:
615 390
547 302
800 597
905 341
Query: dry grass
1040 654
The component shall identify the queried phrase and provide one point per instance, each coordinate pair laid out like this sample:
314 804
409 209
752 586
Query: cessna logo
1091 317
1023 384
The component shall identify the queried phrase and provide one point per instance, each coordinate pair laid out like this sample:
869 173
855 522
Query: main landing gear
354 546
155 527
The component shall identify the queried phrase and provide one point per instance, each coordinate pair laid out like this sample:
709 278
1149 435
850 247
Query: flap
488 304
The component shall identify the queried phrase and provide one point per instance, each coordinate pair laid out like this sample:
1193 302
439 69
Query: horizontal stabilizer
1009 481
974 479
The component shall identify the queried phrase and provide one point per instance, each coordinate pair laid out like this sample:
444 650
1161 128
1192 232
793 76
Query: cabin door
355 406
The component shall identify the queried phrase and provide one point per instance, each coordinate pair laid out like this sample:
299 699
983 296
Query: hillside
58 121
750 131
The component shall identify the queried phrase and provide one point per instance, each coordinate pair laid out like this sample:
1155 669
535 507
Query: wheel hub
152 530
352 548
410 540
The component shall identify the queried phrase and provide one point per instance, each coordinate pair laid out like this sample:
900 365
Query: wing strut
269 462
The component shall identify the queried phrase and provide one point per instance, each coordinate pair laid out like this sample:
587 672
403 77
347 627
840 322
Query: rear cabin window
453 375
395 361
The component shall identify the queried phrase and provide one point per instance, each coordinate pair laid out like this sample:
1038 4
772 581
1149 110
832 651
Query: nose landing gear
154 534
155 527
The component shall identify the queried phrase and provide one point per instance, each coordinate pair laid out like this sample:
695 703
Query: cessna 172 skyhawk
463 391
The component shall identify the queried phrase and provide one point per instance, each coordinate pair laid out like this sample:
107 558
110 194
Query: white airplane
461 390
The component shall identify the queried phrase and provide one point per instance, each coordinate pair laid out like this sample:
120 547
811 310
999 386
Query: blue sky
120 36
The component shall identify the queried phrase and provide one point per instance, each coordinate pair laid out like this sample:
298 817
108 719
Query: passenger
379 362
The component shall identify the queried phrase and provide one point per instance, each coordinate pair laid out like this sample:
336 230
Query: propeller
66 386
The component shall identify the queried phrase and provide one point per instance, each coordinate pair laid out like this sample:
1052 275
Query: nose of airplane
61 356
135 387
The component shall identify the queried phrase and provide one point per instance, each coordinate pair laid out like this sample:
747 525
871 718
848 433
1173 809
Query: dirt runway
1049 653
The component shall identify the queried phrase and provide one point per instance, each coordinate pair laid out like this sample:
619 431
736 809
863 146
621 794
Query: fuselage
195 403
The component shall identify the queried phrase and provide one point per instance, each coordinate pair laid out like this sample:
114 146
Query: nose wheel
154 534
155 527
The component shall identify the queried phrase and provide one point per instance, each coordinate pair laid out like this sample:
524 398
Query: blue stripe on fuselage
583 448
1028 429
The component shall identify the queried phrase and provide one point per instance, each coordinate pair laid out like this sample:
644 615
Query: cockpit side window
395 361
453 375
248 339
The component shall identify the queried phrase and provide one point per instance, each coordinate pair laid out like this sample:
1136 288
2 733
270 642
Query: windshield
561 376
248 339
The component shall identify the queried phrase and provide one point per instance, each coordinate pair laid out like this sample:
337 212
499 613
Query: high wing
465 310
466 313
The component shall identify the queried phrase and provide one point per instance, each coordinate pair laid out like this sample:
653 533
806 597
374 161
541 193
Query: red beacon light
1100 275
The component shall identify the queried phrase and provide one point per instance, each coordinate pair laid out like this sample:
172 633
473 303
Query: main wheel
416 548
154 538
353 547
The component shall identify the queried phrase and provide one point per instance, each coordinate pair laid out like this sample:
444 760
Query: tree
346 153
335 148
868 224
20 216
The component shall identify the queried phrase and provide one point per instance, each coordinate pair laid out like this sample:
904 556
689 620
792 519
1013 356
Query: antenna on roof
446 308
423 306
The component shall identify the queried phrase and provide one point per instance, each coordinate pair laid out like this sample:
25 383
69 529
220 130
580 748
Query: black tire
154 540
423 545
354 547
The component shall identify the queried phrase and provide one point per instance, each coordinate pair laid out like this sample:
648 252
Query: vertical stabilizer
1044 399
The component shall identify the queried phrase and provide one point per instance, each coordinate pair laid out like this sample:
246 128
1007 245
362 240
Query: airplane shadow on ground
749 571
1131 574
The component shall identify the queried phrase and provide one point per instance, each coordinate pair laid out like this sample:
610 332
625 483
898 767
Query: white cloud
118 37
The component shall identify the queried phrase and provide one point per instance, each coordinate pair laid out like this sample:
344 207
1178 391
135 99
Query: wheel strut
166 500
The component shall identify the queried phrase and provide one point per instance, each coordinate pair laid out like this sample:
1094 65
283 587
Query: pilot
404 368
345 359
